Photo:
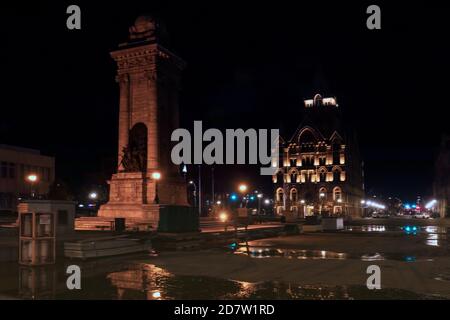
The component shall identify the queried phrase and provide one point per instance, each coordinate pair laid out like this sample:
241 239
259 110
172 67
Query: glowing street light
431 204
223 216
93 195
242 188
302 201
375 205
322 195
267 201
156 176
32 179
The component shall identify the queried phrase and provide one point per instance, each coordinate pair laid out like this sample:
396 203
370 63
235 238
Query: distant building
16 164
321 169
442 178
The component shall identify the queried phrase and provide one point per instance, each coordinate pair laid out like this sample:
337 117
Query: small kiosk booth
37 238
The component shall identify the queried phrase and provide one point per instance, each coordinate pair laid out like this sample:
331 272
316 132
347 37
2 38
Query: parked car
422 215
380 214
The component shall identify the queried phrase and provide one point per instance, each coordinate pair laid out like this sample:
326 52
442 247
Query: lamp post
192 183
321 196
156 176
242 188
32 179
259 196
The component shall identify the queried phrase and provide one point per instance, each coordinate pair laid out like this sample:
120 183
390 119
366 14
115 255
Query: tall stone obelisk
149 80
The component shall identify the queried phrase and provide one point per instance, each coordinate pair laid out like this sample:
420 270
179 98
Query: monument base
135 196
147 212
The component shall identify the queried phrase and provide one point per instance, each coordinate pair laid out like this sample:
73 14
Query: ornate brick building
320 167
442 178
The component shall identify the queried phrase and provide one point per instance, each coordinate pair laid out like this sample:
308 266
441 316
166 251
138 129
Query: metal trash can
119 224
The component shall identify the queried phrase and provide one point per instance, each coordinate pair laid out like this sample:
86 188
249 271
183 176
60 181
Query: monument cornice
136 58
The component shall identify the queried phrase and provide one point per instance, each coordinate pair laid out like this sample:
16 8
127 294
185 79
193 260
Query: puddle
434 235
143 281
406 228
269 252
443 277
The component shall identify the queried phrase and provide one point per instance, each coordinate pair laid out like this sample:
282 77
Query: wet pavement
414 260
146 281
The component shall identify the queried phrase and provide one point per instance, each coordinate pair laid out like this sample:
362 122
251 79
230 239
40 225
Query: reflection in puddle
264 252
143 281
434 235
147 281
372 257
268 252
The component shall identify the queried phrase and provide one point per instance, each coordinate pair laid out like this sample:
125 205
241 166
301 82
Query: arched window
323 193
317 100
337 174
280 195
293 173
294 195
322 174
337 194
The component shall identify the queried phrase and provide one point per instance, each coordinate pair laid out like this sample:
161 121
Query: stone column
124 116
153 129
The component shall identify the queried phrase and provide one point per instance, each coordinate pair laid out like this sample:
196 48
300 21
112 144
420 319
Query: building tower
320 171
148 75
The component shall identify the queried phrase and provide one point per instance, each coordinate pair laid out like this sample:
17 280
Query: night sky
247 66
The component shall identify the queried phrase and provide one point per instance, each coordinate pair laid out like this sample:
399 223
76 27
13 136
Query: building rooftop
318 100
19 149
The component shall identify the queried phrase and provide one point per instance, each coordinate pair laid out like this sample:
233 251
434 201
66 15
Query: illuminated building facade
16 164
442 178
320 168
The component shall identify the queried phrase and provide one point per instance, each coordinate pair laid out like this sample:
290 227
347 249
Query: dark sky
247 66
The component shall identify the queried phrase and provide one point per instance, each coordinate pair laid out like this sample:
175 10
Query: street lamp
259 196
93 195
321 196
32 179
242 188
192 183
156 176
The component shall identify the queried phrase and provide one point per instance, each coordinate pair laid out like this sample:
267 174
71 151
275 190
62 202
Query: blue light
233 197
407 228
252 198
407 206
414 206
414 228
232 246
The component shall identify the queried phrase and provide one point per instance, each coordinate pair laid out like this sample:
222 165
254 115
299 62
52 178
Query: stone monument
149 81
